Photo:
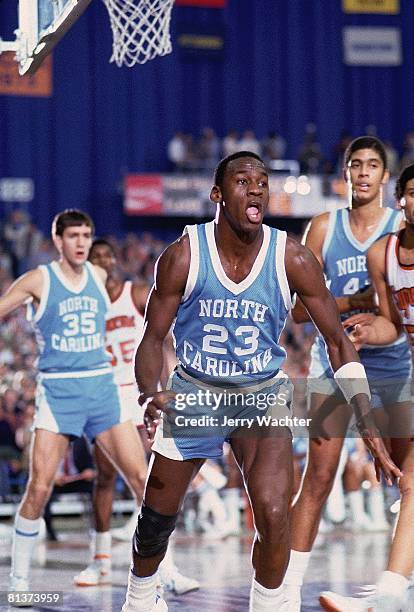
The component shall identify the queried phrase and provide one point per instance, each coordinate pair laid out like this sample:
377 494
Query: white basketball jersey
400 278
124 328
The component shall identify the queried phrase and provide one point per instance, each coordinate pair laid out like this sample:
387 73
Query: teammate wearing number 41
76 392
340 241
391 267
228 285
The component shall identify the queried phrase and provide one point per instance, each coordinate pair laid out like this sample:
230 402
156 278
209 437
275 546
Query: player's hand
363 300
376 446
360 325
154 405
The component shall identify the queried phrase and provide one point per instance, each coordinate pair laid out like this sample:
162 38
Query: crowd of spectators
189 153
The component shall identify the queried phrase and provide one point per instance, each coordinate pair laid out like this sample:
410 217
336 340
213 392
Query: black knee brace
152 532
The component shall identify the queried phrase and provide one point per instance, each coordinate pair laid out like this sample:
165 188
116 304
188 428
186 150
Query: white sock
141 592
131 523
356 505
262 599
231 499
376 505
167 566
298 564
103 543
391 582
24 540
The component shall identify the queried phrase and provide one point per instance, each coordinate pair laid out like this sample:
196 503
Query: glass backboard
41 24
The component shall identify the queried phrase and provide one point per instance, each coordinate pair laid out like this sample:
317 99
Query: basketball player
340 241
390 264
228 285
76 392
124 326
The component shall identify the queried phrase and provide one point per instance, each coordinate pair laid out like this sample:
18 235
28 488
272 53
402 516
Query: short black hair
102 242
222 165
406 175
71 217
366 142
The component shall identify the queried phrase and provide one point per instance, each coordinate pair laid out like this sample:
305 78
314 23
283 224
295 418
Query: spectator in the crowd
408 151
339 150
273 147
392 157
17 229
310 156
208 150
230 143
177 152
44 253
249 142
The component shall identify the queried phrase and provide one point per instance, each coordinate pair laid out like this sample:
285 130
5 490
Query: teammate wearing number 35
228 285
76 392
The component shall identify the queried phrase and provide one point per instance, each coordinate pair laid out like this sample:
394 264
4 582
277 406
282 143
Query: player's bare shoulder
297 254
315 234
174 264
26 287
300 264
318 226
31 282
376 253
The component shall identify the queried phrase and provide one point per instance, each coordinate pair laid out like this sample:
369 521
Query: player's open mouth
254 213
363 186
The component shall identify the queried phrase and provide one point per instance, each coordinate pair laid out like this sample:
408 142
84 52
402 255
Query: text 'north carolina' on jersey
400 278
345 267
124 327
227 332
70 322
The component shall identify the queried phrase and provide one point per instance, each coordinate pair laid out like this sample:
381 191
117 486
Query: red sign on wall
36 85
203 3
143 194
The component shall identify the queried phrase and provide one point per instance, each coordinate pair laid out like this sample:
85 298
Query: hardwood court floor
341 561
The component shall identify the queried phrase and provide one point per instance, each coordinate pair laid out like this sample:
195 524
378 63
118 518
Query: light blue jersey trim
364 246
329 233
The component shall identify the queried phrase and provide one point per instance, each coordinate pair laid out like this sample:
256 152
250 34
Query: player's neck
238 244
114 287
364 215
73 272
407 237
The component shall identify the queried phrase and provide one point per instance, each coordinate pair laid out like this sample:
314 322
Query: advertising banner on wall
39 85
386 7
372 46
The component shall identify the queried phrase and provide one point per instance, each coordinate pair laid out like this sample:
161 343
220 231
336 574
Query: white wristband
352 379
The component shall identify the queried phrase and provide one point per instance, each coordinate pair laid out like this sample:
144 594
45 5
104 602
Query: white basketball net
141 30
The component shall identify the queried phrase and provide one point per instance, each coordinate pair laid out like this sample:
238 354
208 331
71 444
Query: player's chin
254 221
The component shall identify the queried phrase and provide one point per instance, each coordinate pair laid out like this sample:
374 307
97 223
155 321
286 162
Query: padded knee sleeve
152 532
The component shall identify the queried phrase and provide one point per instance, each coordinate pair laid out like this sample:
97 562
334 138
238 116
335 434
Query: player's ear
215 194
57 241
385 177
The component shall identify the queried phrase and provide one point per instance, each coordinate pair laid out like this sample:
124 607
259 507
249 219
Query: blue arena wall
281 67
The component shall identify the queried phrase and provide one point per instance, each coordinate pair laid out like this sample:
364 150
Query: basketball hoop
140 28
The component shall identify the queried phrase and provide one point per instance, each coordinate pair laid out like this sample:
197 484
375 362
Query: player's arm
386 327
313 239
306 279
28 286
140 293
170 280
